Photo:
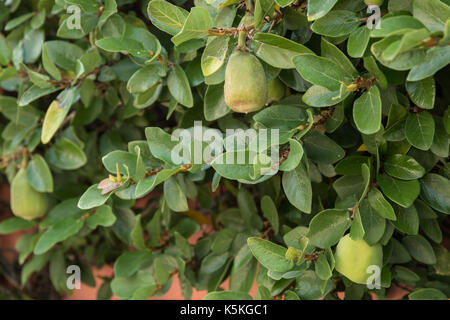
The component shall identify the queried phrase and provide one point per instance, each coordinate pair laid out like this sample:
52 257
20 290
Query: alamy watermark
374 20
374 280
74 278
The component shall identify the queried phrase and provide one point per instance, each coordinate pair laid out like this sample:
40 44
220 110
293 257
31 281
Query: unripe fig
354 257
374 2
245 83
275 91
26 202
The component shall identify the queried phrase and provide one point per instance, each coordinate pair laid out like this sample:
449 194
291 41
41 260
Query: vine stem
249 5
241 40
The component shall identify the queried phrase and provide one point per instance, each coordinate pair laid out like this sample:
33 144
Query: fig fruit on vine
275 91
245 83
26 202
353 258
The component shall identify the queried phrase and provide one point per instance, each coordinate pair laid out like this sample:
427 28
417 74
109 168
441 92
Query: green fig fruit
26 202
245 83
373 2
275 91
354 257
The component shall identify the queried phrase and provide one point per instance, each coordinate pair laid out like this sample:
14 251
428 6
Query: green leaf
166 16
432 13
213 262
49 65
183 245
144 79
432 229
422 93
174 196
56 114
373 224
35 264
196 25
13 23
427 294
390 26
380 204
403 61
420 249
137 236
358 42
126 162
160 143
223 241
318 8
270 212
270 255
214 103
103 216
146 185
57 233
63 54
310 287
436 59
320 71
327 227
14 224
403 167
419 130
214 55
234 170
109 9
66 155
367 111
277 51
317 96
435 191
351 165
294 157
92 198
402 273
407 220
39 174
357 231
297 186
332 52
401 192
408 41
322 267
86 5
227 295
371 66
5 52
34 93
321 149
179 88
282 117
129 262
141 283
440 146
336 23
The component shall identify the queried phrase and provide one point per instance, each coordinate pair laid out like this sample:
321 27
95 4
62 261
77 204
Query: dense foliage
362 179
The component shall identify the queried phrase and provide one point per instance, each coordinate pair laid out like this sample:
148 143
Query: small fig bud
245 83
292 254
